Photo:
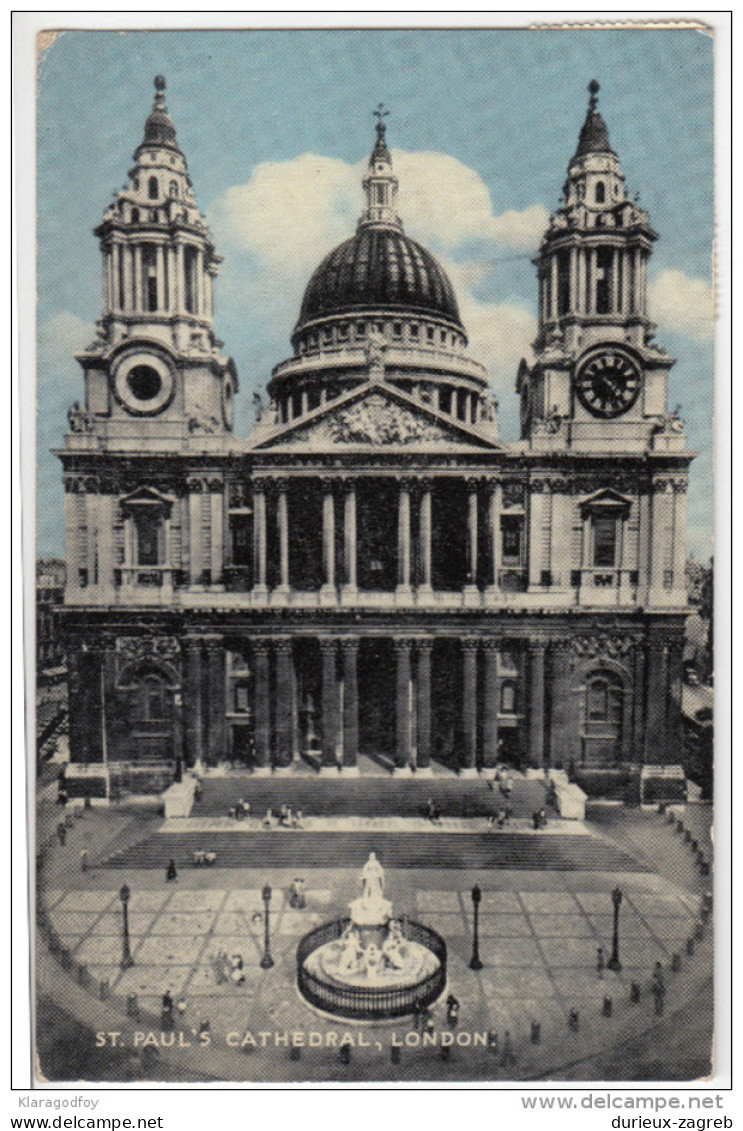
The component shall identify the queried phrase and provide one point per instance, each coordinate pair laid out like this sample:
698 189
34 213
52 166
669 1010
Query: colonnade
627 282
184 282
412 492
274 702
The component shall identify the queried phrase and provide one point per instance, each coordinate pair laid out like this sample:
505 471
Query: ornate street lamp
475 963
126 953
266 960
614 963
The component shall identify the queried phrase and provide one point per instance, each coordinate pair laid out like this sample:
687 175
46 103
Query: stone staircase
284 848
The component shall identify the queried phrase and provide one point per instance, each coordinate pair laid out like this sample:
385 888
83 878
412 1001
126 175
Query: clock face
143 384
608 383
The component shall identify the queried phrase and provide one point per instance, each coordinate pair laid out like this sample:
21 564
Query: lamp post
266 960
126 953
475 963
614 963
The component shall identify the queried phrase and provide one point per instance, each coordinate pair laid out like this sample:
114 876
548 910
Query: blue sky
276 128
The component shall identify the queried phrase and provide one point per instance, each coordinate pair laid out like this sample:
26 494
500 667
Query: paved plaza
539 936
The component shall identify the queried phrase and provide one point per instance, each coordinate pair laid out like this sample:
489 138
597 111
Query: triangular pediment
146 496
607 498
374 416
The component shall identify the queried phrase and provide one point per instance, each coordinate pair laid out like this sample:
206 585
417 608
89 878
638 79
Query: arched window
151 699
135 215
152 188
508 697
174 189
600 192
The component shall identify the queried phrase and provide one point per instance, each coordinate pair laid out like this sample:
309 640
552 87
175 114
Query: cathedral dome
379 267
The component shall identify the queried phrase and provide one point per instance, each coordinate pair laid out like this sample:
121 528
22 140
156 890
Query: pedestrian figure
181 1007
659 988
62 832
501 818
166 1012
452 1011
573 1020
417 1016
507 787
492 1042
172 872
508 1057
62 795
509 812
210 857
535 819
197 790
297 820
84 860
268 819
542 819
204 1026
600 962
245 806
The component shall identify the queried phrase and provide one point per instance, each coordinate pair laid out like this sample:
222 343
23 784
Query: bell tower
599 380
156 361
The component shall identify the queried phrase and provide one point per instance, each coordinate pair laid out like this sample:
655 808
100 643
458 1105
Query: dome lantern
380 182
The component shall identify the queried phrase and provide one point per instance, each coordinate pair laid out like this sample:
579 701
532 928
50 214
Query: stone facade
373 571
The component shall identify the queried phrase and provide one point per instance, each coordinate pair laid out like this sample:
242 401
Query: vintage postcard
374 540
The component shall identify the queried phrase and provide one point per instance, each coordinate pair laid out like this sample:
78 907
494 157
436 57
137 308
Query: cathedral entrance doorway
376 667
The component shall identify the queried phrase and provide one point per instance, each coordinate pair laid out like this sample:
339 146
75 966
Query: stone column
172 269
625 288
423 705
349 591
260 589
283 704
198 288
495 505
402 709
468 768
573 280
106 559
471 592
328 648
327 592
536 702
127 299
614 281
138 304
425 589
403 592
561 731
262 709
180 284
160 276
282 519
193 679
115 291
490 706
593 279
195 529
216 509
679 536
553 288
536 524
350 648
216 699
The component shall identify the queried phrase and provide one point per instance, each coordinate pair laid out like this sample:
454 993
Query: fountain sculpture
371 966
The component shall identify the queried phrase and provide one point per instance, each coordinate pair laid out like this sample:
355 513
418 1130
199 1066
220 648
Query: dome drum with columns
371 576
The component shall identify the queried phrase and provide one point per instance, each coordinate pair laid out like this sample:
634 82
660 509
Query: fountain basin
377 992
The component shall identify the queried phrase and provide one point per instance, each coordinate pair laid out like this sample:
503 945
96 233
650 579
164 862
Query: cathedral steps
283 848
367 797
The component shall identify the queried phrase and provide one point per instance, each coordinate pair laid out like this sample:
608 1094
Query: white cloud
683 305
59 337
